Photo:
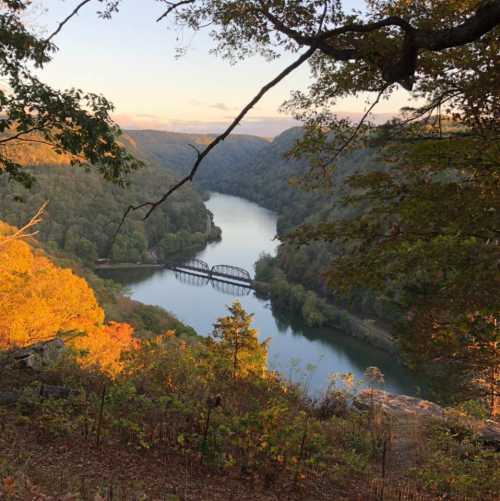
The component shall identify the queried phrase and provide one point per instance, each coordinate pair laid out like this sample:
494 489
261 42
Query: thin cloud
257 125
222 107
147 116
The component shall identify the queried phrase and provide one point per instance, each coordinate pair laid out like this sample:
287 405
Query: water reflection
248 230
222 286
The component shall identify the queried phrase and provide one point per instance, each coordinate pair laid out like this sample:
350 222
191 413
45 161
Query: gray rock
489 431
397 405
403 407
39 355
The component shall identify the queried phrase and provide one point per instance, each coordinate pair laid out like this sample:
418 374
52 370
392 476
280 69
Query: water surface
298 351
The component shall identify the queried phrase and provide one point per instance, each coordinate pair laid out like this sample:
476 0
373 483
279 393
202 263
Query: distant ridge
172 150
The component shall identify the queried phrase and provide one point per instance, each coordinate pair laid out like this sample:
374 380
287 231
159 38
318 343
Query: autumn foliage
103 346
39 300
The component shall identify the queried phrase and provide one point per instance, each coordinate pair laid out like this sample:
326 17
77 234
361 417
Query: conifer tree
237 343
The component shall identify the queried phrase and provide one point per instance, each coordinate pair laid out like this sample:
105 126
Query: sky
131 59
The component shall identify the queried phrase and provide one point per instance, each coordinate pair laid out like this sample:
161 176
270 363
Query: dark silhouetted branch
152 205
18 135
64 21
173 6
402 68
351 138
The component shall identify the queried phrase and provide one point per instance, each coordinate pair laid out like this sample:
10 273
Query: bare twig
323 17
24 232
351 138
152 205
65 20
424 114
198 152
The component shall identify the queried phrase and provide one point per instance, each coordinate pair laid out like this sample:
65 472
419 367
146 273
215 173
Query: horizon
153 89
281 127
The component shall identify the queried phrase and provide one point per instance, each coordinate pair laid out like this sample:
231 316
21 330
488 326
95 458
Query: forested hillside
84 210
264 178
86 395
276 181
173 149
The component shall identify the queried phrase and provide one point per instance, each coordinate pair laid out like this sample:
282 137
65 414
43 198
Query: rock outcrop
39 355
26 365
403 408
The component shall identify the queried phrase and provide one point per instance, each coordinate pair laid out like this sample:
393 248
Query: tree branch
64 21
19 135
486 18
173 6
402 68
351 138
23 231
304 57
39 141
152 205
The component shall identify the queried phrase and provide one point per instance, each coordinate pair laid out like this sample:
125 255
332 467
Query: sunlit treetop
70 121
40 301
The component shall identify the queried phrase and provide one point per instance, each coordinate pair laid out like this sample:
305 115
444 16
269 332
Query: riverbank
328 315
315 311
304 353
128 266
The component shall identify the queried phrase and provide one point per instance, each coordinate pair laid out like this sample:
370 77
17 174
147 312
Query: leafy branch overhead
427 49
350 52
71 122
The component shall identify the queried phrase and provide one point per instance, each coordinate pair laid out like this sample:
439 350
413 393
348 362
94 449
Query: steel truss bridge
224 278
226 287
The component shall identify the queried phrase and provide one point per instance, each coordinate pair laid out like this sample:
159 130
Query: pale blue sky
131 60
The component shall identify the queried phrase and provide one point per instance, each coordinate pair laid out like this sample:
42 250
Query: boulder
397 405
404 407
39 355
489 431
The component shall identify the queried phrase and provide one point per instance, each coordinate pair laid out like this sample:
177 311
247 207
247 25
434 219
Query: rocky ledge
403 407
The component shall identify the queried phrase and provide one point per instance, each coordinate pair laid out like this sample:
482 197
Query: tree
237 343
425 231
425 228
71 122
104 347
388 44
39 301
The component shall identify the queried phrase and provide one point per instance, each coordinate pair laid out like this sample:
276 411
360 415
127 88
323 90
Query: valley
302 353
249 250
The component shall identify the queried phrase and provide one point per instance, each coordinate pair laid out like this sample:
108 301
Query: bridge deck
211 274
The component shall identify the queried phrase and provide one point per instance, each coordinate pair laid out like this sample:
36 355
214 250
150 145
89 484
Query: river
299 352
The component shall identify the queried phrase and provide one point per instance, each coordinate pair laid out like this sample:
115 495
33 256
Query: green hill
84 210
172 149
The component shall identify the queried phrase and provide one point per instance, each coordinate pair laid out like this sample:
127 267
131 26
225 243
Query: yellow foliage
38 300
104 346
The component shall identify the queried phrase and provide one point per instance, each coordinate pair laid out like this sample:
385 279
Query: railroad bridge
221 273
